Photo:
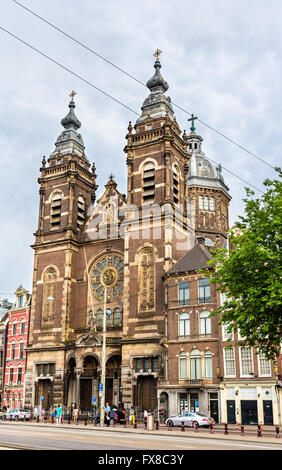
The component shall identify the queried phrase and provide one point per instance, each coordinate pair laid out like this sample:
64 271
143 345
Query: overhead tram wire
139 81
101 91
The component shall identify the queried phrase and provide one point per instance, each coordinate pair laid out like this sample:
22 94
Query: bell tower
67 184
67 189
156 236
208 194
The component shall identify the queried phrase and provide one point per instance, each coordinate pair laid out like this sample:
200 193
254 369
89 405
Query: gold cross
157 54
72 95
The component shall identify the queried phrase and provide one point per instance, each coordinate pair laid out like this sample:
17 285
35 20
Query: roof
196 258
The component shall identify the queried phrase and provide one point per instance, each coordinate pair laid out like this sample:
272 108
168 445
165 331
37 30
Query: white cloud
221 60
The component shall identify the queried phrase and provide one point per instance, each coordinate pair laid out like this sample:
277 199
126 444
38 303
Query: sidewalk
268 432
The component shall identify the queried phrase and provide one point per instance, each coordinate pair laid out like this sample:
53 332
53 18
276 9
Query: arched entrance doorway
88 382
164 404
113 380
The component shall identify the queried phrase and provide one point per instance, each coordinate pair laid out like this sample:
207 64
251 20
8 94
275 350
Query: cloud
221 60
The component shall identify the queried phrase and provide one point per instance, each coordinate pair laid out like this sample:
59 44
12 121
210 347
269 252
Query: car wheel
170 423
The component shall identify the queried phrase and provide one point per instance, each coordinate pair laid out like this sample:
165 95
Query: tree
250 275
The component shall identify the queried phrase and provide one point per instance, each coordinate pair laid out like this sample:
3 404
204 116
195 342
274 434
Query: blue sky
222 60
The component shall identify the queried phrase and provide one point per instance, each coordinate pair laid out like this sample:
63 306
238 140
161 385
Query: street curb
247 439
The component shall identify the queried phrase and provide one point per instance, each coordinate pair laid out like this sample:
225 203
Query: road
20 435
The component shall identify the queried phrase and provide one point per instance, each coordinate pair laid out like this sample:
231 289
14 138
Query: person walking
75 414
59 415
108 414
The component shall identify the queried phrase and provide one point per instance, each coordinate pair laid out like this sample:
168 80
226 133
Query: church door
147 392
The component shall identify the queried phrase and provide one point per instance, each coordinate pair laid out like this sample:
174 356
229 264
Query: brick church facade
138 256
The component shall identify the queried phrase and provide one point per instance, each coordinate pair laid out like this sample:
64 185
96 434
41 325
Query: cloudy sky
222 60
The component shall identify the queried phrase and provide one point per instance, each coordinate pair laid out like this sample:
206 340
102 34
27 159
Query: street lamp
103 391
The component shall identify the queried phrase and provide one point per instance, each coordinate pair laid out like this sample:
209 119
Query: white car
190 420
18 414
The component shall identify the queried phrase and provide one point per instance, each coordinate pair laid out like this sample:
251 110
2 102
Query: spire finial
157 54
72 95
192 118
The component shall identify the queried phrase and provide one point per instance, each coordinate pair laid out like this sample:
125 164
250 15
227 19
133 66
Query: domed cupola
70 141
156 105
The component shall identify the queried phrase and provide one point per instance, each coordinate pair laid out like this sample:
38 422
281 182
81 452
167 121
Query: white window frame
242 373
183 321
262 359
205 327
182 358
225 359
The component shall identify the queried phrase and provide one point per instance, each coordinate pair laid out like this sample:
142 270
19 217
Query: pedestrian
75 414
42 414
59 414
108 414
131 415
35 412
145 415
54 414
161 415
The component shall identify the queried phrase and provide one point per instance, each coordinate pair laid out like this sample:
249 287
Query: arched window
195 364
175 184
182 366
55 212
100 319
146 275
208 365
80 212
109 318
148 183
49 295
117 317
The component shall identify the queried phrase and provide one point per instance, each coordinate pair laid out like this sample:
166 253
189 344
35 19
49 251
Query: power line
139 81
101 91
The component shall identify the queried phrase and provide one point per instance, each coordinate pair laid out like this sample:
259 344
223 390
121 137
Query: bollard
85 421
169 425
125 426
236 426
196 426
259 431
211 429
145 423
135 424
226 429
10 417
157 426
69 420
277 432
242 430
182 426
95 421
37 419
24 417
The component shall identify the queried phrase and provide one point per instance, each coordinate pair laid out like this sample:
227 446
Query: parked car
190 419
116 415
18 414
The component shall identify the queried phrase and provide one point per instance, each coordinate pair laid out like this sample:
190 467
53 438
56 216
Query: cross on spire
72 95
192 118
157 54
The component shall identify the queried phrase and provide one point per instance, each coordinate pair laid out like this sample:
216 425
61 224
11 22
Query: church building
133 257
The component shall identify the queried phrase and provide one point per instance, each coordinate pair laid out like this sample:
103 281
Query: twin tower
115 251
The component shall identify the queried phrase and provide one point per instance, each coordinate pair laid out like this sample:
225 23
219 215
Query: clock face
107 273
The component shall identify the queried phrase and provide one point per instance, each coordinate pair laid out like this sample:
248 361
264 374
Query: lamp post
103 392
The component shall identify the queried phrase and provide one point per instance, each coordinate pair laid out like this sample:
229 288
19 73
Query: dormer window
55 213
20 300
149 183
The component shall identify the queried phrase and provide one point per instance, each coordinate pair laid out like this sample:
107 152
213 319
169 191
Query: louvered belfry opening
55 215
149 183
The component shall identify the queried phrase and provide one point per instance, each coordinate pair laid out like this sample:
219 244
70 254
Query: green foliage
250 275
